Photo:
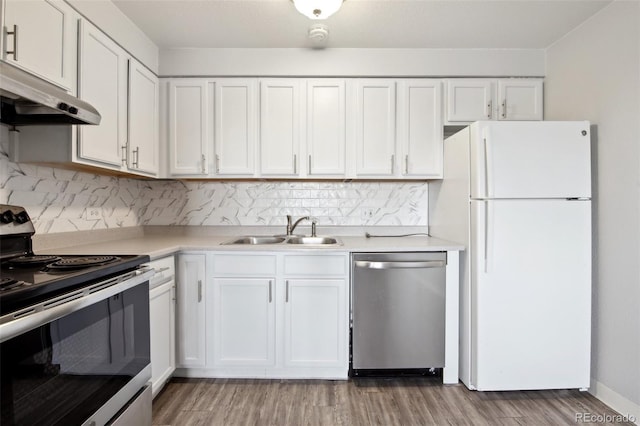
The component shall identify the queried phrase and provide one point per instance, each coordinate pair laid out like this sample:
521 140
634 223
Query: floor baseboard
628 409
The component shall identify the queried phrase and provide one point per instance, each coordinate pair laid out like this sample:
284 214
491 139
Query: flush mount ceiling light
317 9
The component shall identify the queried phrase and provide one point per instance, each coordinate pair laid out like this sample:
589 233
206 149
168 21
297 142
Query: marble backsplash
61 200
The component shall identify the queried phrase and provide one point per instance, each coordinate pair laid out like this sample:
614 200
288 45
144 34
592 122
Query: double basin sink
288 239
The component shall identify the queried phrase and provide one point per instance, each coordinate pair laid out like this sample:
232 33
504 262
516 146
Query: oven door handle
366 264
16 323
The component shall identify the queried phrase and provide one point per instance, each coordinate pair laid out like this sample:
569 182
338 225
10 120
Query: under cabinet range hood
28 100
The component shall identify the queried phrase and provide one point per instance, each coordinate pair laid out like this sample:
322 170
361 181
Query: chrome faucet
291 227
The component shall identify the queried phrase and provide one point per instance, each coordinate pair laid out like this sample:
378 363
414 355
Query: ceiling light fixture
317 9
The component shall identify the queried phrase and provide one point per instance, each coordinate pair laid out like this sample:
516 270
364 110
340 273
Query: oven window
64 371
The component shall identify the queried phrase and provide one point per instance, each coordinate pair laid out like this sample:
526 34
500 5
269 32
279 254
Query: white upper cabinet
520 99
102 81
188 130
326 128
40 36
280 110
471 100
125 93
420 132
375 128
235 125
143 119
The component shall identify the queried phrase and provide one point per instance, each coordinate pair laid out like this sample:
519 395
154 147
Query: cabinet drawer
165 269
244 264
307 265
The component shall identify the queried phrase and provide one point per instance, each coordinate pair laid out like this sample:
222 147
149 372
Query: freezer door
547 159
530 294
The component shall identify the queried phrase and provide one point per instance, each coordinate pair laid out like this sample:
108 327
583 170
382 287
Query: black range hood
28 100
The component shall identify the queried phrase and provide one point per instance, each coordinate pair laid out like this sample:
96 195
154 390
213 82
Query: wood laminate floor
389 402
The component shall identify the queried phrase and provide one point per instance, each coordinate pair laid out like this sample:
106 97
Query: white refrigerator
518 195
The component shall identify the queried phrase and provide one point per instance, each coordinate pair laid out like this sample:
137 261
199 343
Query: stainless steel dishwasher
398 311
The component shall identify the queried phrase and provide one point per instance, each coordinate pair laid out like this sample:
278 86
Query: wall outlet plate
92 213
367 213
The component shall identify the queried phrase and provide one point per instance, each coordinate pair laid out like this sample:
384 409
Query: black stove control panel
14 220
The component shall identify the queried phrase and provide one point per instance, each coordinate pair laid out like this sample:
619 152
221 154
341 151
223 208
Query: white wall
593 74
352 62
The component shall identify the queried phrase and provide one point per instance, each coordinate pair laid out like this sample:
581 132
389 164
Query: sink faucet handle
288 224
313 229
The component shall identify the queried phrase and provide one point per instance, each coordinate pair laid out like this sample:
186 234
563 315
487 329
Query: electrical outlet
93 213
367 213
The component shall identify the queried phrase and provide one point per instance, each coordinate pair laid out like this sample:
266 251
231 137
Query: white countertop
157 246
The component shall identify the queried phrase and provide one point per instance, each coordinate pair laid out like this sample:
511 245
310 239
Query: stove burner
32 260
80 262
7 283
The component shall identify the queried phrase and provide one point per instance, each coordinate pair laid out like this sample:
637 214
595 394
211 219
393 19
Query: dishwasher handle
367 264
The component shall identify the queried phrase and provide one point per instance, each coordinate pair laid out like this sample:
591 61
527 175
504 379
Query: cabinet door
143 119
326 128
188 133
375 128
279 127
520 99
244 321
235 126
191 311
470 100
420 127
102 81
316 323
45 43
162 331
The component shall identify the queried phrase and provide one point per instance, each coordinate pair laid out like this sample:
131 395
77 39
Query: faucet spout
291 227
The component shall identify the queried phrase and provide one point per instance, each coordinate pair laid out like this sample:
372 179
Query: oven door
83 363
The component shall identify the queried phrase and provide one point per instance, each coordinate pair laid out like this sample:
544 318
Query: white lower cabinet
315 327
191 325
162 332
268 315
244 321
162 320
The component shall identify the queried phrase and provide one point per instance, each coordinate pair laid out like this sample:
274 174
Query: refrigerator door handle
487 236
488 185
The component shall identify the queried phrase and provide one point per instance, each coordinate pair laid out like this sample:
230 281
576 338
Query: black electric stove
27 278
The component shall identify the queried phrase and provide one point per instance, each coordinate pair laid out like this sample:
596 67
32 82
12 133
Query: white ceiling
360 23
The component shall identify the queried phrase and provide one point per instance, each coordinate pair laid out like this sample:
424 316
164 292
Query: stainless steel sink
313 240
251 240
292 239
